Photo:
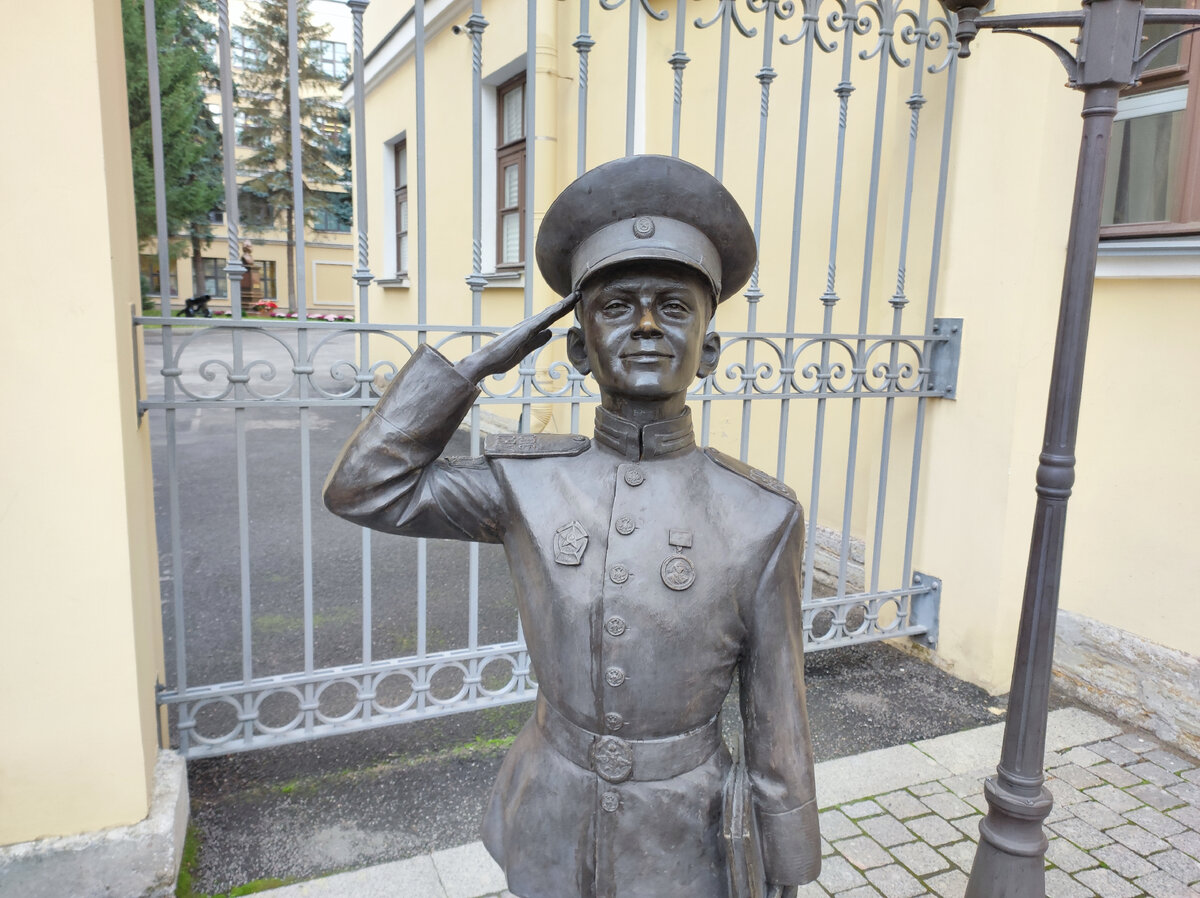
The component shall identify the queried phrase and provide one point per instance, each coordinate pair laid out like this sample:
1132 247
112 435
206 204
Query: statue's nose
647 324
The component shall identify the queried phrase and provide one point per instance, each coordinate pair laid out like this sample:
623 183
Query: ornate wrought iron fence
872 385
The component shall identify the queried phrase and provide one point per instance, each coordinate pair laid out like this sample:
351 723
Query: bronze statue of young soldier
647 570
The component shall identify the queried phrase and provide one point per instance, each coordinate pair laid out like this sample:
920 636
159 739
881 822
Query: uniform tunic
593 531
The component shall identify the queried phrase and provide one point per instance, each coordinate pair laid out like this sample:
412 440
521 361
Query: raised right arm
388 476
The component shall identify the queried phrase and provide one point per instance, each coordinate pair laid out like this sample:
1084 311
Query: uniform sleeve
388 476
777 743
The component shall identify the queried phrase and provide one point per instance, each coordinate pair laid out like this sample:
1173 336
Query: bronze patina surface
647 571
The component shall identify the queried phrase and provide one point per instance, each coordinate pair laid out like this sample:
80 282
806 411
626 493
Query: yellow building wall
1007 217
1128 558
1131 558
80 635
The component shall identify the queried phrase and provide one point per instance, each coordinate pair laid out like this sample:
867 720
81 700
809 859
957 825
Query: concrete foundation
1149 685
138 861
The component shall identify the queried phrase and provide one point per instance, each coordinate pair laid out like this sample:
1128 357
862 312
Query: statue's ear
577 351
710 352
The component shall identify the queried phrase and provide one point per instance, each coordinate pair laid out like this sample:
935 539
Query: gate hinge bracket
943 357
926 606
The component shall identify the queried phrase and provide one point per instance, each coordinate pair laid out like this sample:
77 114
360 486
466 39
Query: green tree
191 139
265 104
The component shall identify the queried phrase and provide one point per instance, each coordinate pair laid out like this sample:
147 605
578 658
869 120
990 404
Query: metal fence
307 380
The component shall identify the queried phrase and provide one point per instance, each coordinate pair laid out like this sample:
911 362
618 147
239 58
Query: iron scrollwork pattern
815 365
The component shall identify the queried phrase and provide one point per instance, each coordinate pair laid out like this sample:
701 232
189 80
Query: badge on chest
570 540
677 570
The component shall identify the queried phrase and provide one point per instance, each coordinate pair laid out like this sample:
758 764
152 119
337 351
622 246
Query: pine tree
191 139
265 101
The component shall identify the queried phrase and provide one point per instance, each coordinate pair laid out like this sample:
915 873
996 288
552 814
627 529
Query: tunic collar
658 440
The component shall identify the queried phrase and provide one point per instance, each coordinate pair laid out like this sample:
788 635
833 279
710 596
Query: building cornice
398 45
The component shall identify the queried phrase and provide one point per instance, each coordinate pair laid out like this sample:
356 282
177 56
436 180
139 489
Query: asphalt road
302 810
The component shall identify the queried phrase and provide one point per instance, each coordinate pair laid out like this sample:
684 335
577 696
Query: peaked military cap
646 207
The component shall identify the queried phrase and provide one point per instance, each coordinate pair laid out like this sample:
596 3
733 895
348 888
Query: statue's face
644 329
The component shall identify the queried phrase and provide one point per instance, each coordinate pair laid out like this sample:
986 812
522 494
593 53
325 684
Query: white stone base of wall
1136 680
138 861
827 560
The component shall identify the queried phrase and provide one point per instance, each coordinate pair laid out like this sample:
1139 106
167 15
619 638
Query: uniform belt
616 760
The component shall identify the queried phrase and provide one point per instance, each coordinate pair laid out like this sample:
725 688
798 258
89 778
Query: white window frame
490 120
390 262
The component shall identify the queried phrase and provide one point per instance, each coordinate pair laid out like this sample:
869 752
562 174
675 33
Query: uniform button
610 801
625 525
634 476
618 573
615 626
614 721
614 676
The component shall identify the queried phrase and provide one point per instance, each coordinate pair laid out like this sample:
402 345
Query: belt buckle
612 758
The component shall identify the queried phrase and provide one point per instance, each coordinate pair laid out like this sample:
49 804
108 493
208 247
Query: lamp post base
1010 860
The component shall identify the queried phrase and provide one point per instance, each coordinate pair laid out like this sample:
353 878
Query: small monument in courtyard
648 570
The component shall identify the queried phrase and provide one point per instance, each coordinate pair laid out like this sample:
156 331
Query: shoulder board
534 445
766 481
465 461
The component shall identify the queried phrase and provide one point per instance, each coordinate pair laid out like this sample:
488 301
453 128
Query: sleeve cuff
446 397
791 845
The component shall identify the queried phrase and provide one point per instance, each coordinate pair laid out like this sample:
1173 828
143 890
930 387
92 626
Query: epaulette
766 481
534 445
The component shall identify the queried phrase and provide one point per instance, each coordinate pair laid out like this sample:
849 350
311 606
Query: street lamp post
1010 859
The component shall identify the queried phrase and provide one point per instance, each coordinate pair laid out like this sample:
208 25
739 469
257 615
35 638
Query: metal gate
284 624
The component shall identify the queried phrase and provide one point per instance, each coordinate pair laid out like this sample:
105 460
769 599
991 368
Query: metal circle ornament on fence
821 627
337 701
394 692
448 683
856 619
215 720
496 675
279 710
889 615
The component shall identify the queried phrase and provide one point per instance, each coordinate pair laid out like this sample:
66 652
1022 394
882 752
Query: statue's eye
614 308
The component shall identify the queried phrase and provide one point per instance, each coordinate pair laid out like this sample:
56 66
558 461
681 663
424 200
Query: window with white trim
400 160
510 173
1152 185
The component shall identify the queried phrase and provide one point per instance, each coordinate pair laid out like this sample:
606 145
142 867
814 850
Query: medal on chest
677 570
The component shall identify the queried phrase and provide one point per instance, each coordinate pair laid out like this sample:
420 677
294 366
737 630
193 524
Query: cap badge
569 542
643 227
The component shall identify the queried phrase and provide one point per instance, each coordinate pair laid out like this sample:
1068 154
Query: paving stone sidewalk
902 822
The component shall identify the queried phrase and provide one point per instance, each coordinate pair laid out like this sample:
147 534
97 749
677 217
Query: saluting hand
515 343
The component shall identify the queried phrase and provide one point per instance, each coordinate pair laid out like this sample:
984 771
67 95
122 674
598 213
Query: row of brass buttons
615 626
